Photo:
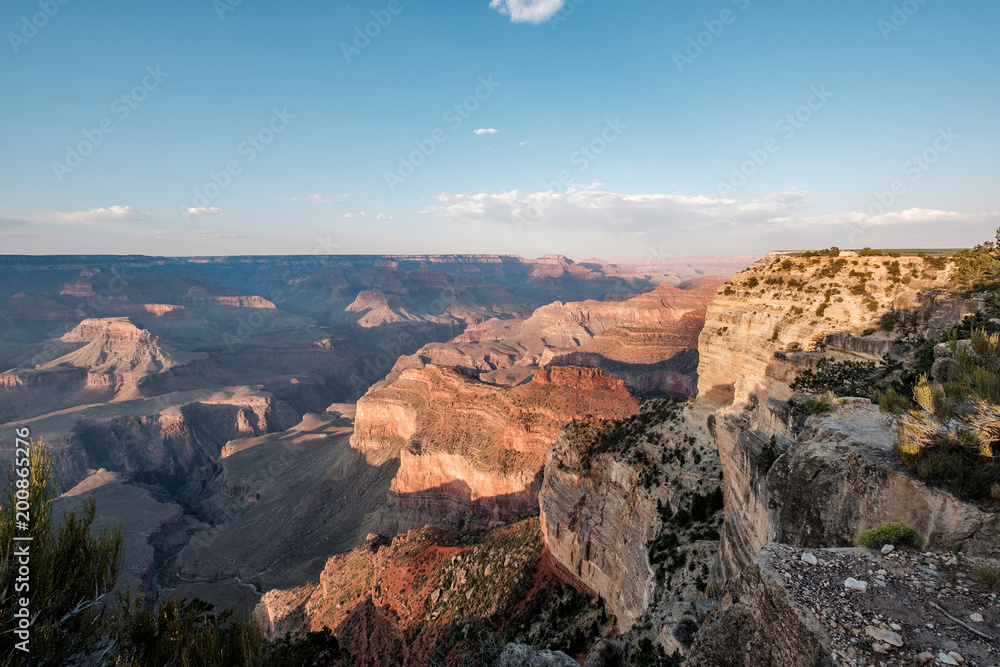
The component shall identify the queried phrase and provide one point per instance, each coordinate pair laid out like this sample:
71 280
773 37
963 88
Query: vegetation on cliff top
952 436
896 534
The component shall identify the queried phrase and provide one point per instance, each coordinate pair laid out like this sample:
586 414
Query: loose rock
855 584
884 636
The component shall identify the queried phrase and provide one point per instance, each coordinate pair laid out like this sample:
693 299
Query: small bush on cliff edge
953 439
988 572
842 378
898 534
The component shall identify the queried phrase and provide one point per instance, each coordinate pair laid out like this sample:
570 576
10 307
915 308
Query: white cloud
527 11
909 216
355 215
383 216
317 199
597 209
210 211
111 214
207 235
483 131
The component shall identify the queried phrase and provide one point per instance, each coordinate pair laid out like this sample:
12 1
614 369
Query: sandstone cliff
431 593
835 474
632 509
471 451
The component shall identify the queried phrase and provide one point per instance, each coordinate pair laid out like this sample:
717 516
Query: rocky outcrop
770 323
608 501
163 440
850 607
426 592
648 340
757 622
473 451
199 296
521 655
113 357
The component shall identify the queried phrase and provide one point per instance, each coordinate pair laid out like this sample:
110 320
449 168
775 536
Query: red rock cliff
475 450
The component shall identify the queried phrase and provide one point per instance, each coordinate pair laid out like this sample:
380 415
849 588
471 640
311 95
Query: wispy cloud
483 131
110 214
317 199
209 211
383 216
598 209
355 215
207 234
527 11
909 216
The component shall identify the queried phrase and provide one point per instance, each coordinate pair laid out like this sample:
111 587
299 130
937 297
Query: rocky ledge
852 607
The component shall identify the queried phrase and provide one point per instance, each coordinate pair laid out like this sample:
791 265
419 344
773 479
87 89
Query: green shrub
819 404
953 437
897 534
842 378
976 266
74 570
988 572
892 401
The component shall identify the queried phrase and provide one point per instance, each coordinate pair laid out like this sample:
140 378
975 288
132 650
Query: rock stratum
471 451
649 341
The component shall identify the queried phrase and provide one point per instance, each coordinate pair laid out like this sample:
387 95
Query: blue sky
620 130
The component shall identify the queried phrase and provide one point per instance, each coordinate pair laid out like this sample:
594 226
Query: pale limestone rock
855 584
884 636
521 655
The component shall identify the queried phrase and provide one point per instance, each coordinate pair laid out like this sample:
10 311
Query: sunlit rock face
471 451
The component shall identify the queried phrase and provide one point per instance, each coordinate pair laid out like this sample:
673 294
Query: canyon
464 451
195 398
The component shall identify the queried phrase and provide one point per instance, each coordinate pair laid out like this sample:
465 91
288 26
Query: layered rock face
608 500
113 357
165 440
839 474
425 593
648 340
472 450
